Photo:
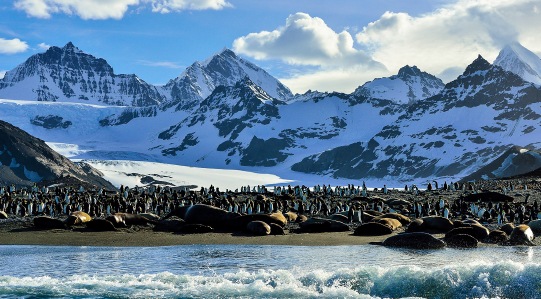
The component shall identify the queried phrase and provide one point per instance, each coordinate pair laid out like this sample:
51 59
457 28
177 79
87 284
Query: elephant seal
372 229
339 217
178 212
150 216
390 222
497 237
101 225
240 222
415 226
320 225
535 225
301 219
291 216
194 229
276 229
46 222
461 241
404 220
77 218
479 232
127 219
435 224
258 228
417 240
169 225
3 215
508 228
208 215
522 235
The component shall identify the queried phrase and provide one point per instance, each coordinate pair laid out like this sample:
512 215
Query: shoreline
146 237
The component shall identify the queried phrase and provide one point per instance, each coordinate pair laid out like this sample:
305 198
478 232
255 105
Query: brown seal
320 225
522 235
77 218
102 225
390 222
403 219
461 241
46 222
258 228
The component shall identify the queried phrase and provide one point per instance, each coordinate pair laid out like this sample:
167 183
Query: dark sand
21 232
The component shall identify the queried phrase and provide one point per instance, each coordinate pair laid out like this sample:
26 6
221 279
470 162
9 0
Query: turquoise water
233 271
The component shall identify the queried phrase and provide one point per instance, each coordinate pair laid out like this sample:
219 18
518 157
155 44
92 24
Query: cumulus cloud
306 40
111 9
166 6
44 46
12 46
451 37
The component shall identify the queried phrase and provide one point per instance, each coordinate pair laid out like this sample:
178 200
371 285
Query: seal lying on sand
102 225
522 235
127 219
321 225
77 217
431 224
46 222
372 229
417 240
461 241
258 228
208 215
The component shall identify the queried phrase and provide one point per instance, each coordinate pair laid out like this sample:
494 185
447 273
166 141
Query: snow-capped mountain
408 86
228 113
69 75
521 61
471 122
200 79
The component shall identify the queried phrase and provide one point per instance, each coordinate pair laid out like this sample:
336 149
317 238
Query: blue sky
308 44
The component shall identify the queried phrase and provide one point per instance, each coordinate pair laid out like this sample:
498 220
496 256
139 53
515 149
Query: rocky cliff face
26 160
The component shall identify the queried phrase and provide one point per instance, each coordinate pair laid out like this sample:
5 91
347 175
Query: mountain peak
407 70
479 64
70 47
517 59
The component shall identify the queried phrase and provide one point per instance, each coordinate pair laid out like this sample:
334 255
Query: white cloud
166 64
12 46
44 46
166 6
306 40
2 74
451 37
110 9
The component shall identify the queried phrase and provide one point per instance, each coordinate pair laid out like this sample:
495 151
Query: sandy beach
21 232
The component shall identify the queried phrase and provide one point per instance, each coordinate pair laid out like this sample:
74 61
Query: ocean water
233 271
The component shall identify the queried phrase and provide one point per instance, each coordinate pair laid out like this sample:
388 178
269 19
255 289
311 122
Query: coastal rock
372 229
417 240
